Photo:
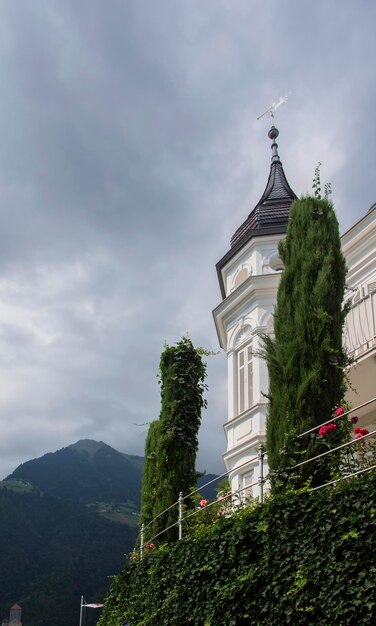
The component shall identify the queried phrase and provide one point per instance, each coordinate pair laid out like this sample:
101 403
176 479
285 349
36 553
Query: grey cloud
130 153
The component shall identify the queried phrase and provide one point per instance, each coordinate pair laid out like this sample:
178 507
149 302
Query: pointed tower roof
272 210
271 213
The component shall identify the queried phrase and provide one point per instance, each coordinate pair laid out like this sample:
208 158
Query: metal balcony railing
360 326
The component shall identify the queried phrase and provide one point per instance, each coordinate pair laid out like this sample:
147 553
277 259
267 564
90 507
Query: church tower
14 616
249 275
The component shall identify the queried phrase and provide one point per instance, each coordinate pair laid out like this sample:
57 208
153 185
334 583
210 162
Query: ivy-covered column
172 443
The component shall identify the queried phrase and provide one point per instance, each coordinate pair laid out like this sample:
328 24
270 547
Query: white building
14 617
359 248
249 275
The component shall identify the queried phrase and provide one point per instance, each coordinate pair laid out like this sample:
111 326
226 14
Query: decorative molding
272 262
243 272
266 321
243 335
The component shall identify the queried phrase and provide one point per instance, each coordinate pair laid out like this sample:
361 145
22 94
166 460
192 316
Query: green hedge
300 559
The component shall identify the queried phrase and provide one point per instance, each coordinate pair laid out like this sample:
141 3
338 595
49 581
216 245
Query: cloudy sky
129 154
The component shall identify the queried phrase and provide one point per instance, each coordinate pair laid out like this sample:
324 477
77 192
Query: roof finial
273 134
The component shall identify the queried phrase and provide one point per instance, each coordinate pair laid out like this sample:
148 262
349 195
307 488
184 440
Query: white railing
236 497
360 326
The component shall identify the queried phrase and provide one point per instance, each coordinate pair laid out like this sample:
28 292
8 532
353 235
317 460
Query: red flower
354 419
150 546
360 432
203 503
358 436
339 411
327 429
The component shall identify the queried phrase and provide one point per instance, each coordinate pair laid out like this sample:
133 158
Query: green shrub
300 559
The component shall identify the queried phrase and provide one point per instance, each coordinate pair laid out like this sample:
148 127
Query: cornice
257 236
360 230
240 449
254 285
249 413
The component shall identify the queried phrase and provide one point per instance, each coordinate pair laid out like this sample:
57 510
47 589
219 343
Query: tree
305 359
172 442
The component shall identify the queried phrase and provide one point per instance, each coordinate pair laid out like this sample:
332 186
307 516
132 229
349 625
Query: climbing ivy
302 558
172 442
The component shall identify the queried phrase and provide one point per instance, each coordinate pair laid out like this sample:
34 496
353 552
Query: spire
272 209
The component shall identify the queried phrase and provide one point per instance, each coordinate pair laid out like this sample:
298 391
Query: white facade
246 312
359 248
249 276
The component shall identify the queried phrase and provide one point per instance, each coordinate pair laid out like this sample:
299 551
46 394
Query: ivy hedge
301 558
172 441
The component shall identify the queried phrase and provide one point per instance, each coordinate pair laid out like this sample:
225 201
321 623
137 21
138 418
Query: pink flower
359 433
339 411
150 546
203 503
327 429
354 419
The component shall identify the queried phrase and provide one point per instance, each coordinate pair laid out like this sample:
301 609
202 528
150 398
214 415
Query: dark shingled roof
272 210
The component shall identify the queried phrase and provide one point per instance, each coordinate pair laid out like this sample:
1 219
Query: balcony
360 327
360 341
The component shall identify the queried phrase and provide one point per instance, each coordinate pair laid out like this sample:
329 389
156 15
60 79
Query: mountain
87 471
67 520
209 492
60 535
91 472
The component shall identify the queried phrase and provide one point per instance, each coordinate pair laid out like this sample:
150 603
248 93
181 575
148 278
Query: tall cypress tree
172 442
305 359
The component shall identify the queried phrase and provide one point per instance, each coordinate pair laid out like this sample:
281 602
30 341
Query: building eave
242 448
351 236
254 285
261 232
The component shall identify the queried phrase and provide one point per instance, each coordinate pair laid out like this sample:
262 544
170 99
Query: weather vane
270 112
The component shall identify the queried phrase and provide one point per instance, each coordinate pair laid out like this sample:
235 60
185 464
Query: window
247 479
245 378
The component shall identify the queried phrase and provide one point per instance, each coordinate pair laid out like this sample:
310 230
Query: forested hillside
86 471
52 551
67 520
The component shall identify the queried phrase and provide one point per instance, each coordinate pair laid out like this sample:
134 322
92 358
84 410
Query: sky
130 152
